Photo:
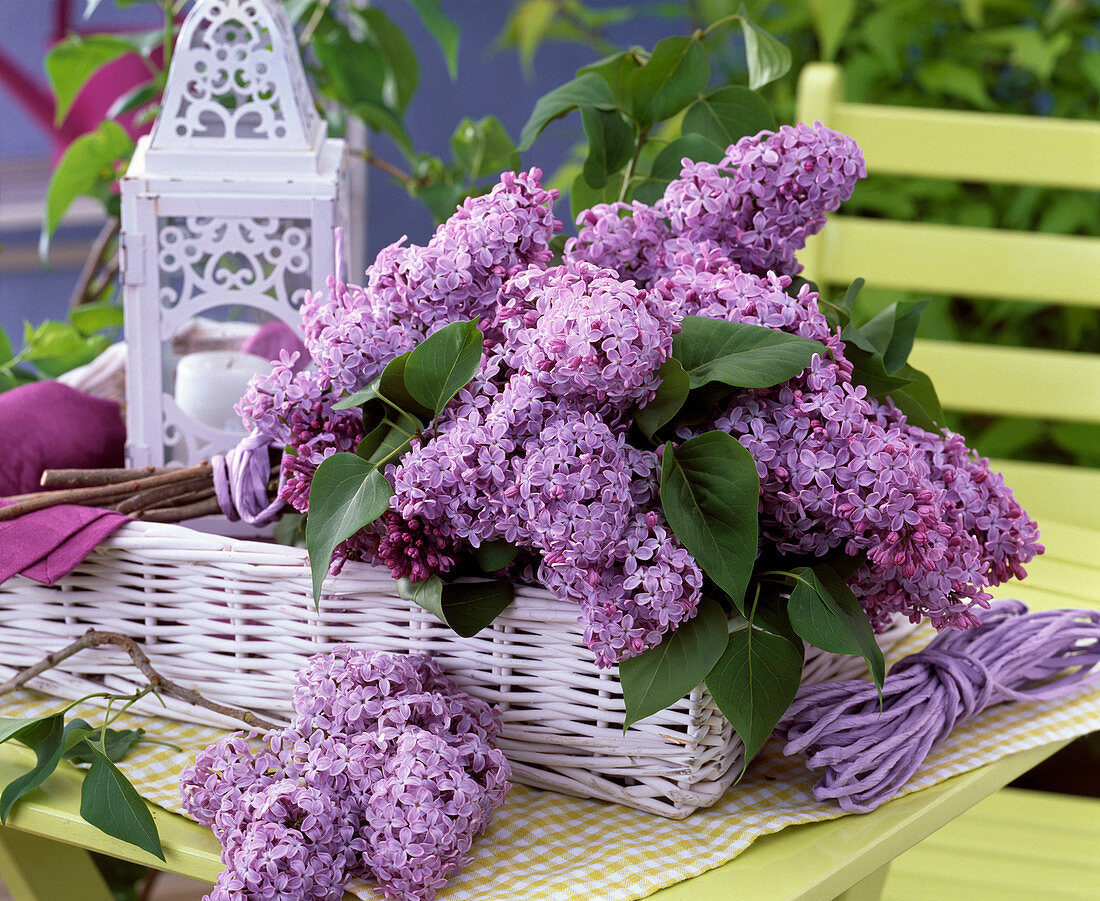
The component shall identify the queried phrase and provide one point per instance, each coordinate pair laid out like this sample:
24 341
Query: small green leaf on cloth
663 674
710 492
45 737
109 802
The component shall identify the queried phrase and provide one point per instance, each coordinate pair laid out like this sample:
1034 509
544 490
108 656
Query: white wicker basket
235 620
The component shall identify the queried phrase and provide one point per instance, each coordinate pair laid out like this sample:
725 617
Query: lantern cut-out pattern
228 213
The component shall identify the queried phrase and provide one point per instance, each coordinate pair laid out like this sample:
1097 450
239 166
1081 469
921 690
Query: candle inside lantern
209 384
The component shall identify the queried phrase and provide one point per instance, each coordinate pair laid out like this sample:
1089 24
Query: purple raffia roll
868 753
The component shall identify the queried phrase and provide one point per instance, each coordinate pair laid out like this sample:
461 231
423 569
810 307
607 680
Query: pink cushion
47 425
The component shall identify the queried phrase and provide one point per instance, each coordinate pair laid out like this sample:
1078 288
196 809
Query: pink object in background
272 338
47 425
92 103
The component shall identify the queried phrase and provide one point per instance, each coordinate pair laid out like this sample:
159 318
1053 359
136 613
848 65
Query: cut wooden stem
84 478
94 639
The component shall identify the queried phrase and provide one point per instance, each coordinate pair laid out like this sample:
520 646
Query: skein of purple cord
868 753
240 482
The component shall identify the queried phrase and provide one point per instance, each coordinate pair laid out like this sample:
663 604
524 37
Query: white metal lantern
228 212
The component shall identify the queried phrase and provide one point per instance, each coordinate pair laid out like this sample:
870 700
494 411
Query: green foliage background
1025 57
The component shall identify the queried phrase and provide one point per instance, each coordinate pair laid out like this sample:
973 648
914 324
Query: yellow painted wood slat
1059 494
968 146
1016 844
1012 381
949 259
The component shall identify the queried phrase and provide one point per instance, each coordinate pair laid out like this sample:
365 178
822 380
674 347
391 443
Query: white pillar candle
209 384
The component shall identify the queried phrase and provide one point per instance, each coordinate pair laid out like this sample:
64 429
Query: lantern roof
236 97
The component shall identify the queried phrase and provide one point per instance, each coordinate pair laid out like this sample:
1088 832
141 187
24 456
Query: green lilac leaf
389 441
754 682
766 57
664 674
443 363
44 737
728 114
710 491
134 99
868 372
110 803
670 397
116 742
356 75
93 317
891 332
918 400
669 163
610 144
583 196
824 611
493 556
86 167
616 71
839 315
466 607
587 90
483 147
673 76
346 494
12 726
390 384
735 353
442 28
72 62
402 71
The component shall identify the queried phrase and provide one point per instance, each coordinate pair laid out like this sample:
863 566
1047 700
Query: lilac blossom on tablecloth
388 772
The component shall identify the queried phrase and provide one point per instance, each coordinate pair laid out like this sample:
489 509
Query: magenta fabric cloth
47 425
48 544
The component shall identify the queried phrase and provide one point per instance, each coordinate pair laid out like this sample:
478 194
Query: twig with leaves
108 800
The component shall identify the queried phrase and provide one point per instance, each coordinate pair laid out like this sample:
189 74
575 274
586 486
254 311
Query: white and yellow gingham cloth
542 845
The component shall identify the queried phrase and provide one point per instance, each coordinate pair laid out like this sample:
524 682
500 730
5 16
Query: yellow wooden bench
1017 860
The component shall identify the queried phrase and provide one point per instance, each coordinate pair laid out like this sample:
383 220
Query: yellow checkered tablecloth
543 845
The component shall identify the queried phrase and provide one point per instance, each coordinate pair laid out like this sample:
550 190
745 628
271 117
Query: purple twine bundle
240 482
868 753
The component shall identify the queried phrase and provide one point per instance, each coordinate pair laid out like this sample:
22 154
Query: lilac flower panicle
535 450
388 772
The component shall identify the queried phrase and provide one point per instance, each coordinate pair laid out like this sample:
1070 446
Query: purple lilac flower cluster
537 455
758 205
534 451
388 772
